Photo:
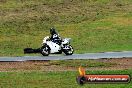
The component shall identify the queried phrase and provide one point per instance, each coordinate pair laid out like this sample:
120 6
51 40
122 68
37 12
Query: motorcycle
50 47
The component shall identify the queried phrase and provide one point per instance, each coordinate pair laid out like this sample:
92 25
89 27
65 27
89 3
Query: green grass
66 79
93 25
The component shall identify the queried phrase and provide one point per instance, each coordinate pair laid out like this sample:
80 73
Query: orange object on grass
81 71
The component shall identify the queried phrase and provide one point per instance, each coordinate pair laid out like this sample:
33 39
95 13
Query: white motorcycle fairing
50 47
54 48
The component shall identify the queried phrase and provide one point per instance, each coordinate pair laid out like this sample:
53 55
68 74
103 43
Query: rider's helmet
53 31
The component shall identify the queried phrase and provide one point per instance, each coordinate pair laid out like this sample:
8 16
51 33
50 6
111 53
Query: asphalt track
74 56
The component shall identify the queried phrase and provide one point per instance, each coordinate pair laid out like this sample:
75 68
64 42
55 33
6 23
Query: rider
55 36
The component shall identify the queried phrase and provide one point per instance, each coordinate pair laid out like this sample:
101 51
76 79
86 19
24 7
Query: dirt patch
120 64
31 66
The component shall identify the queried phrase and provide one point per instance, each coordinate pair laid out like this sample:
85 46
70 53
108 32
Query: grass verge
64 79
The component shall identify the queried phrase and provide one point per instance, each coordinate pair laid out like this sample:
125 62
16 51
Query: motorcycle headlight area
66 40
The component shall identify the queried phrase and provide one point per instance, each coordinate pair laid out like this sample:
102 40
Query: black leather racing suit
55 37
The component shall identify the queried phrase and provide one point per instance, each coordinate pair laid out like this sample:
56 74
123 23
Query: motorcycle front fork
65 47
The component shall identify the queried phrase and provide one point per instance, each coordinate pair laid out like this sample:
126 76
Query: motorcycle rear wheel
45 50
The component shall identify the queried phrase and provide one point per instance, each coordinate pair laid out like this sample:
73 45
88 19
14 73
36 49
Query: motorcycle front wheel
68 51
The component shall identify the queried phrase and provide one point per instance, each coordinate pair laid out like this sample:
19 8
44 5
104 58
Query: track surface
74 56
